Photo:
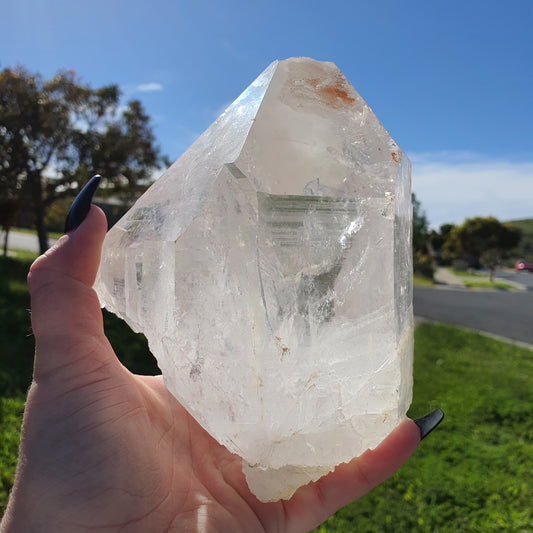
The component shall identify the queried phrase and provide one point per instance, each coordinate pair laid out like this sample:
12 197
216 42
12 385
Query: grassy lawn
467 274
475 280
472 474
422 281
23 256
498 285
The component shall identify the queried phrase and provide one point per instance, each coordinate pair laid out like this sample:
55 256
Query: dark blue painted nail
428 423
81 204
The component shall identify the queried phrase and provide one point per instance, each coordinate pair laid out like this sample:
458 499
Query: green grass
465 274
10 420
422 281
22 255
472 474
476 280
498 285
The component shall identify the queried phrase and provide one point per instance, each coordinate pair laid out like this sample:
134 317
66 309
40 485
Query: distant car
523 266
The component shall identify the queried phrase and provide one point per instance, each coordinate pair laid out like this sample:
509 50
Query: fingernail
428 423
81 204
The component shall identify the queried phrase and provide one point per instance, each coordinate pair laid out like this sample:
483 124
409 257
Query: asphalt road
525 278
507 314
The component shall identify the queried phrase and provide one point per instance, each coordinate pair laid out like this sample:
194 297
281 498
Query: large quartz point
270 269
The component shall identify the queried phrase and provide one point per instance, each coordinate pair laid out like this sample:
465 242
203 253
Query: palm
181 477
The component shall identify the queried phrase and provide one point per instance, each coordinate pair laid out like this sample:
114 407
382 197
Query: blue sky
451 81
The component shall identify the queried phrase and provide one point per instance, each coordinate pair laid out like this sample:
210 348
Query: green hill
525 249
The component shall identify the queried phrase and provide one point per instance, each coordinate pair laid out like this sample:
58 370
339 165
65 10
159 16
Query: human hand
103 449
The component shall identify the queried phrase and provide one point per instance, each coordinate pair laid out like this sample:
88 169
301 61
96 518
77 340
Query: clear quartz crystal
270 270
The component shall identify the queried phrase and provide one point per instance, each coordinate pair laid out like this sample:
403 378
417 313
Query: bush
423 265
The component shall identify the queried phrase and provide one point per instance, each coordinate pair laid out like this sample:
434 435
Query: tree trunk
42 233
491 275
36 192
9 209
6 237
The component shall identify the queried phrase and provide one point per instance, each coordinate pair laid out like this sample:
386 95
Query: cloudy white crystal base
273 484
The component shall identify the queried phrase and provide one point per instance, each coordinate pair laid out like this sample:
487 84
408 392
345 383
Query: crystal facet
270 270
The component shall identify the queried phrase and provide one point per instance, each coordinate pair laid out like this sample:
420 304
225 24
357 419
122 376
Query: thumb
65 312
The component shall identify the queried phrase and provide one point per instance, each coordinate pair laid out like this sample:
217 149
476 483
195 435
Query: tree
482 239
10 188
422 260
56 134
437 240
420 225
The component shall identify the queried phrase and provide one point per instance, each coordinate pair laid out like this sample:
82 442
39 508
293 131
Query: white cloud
452 186
149 87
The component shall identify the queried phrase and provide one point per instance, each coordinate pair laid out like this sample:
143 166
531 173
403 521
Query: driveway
507 314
